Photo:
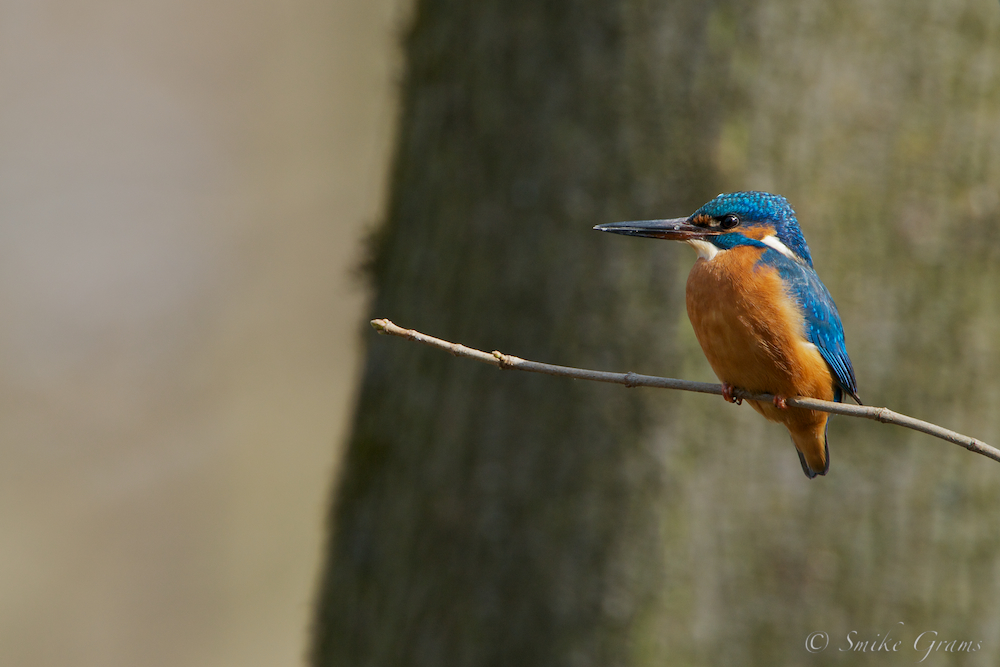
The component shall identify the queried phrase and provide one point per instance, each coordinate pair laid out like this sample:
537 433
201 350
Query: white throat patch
772 240
705 250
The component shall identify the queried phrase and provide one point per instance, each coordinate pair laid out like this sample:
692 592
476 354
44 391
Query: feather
823 326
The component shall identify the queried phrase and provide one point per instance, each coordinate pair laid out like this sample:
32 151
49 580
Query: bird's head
729 220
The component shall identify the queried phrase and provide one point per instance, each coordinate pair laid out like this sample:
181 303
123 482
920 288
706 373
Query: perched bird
763 318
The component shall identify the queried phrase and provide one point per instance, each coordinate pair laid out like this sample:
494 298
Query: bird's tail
813 450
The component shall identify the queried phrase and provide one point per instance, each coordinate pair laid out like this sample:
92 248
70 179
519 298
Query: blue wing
823 327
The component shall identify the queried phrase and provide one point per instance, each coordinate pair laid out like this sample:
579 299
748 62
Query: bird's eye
729 221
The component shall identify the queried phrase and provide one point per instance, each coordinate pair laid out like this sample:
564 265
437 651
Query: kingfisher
763 318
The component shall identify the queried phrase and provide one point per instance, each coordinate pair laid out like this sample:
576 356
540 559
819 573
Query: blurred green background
489 518
184 187
188 193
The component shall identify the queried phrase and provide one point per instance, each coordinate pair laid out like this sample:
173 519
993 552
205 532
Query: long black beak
675 229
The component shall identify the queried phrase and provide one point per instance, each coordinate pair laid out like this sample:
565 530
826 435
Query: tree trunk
490 518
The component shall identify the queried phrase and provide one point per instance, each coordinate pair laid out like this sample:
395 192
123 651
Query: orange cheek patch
757 232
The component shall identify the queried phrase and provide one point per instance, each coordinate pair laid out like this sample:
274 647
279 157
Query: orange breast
753 333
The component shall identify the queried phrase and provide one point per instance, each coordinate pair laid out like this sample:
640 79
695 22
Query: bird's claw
780 403
728 394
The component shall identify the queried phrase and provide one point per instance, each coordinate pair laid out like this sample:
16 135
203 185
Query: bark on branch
510 362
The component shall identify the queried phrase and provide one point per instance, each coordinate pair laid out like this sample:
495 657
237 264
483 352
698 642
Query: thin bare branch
510 362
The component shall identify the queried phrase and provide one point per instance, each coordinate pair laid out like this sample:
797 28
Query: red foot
727 394
779 402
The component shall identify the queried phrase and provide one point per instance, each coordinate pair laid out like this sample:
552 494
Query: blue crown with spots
761 208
